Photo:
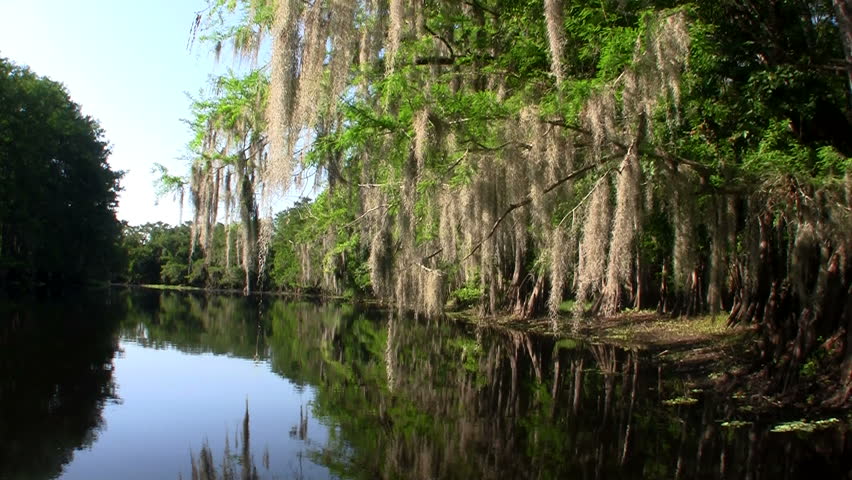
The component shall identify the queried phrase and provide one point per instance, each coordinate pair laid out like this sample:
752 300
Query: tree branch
430 256
485 148
476 4
353 222
451 60
597 184
569 126
455 164
657 153
442 39
526 201
435 60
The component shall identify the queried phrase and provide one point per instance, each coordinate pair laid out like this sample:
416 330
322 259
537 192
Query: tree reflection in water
204 466
418 398
241 466
56 375
399 396
411 397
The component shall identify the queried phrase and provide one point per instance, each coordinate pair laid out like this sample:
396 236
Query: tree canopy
57 192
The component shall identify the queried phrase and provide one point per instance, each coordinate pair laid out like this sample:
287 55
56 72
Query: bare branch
435 60
486 148
431 255
580 204
442 39
476 4
526 201
353 222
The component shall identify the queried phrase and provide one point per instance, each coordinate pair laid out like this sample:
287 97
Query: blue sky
127 64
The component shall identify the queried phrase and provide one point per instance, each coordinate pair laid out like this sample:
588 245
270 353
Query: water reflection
415 398
241 465
404 397
55 378
194 323
204 467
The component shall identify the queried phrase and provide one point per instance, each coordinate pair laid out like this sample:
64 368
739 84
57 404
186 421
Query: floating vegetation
677 401
805 425
735 424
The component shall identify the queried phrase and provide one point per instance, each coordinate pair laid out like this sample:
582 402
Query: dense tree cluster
684 156
57 192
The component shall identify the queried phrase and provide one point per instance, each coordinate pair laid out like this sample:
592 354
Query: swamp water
134 384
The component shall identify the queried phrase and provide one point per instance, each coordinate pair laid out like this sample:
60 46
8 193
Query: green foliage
308 241
57 192
567 344
470 352
290 231
756 112
469 294
815 363
166 183
158 253
830 162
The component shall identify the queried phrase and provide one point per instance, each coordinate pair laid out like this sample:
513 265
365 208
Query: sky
127 64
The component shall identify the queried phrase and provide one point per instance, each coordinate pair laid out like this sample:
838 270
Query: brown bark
578 386
846 368
662 306
535 300
717 260
843 12
639 285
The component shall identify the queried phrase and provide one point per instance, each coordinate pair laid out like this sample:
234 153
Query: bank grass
648 327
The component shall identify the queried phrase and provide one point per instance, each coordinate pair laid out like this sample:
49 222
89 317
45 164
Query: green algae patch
678 401
805 426
735 424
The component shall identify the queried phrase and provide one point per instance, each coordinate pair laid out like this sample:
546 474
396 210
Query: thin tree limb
431 255
353 222
526 201
580 204
442 39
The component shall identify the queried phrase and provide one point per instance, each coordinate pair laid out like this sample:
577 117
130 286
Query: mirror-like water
140 384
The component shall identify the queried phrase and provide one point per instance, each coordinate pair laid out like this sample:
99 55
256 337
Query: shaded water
140 384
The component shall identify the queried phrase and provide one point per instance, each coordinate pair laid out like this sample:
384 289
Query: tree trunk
846 369
663 305
843 12
515 288
717 259
639 287
535 300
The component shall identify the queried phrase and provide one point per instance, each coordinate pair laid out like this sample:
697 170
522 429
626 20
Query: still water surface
138 384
